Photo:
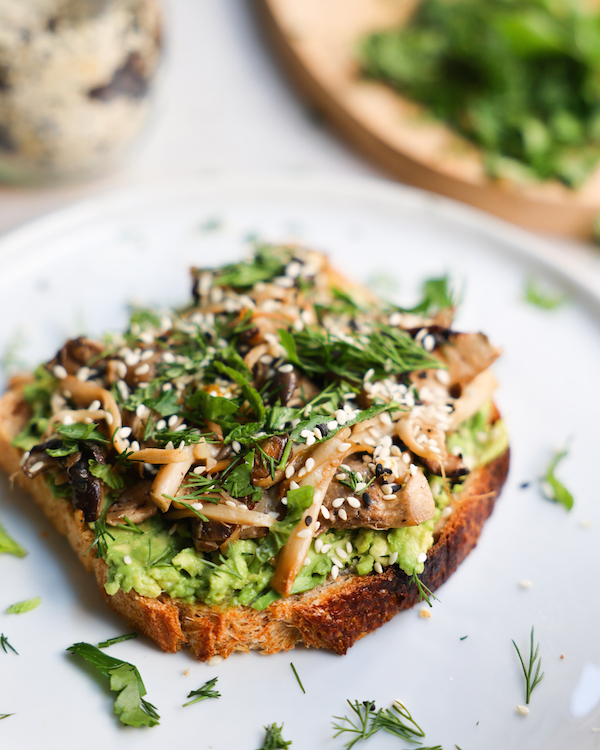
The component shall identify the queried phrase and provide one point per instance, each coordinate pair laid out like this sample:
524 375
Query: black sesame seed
378 470
366 498
396 487
524 485
308 520
422 375
324 430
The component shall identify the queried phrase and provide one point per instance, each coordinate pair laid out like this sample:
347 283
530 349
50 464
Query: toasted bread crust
333 616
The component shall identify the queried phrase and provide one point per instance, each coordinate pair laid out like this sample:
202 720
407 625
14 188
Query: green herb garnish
425 594
117 639
9 546
553 489
72 435
519 78
21 607
4 643
130 706
204 692
274 740
107 473
396 720
5 716
531 679
543 298
297 677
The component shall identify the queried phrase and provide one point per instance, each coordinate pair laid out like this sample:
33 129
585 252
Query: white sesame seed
25 456
59 372
197 506
293 269
135 446
393 558
338 564
341 553
310 464
141 411
305 433
199 469
353 502
284 281
378 568
161 424
68 419
523 710
338 502
421 557
317 433
168 357
181 445
169 446
443 377
335 571
326 548
332 426
83 374
413 470
236 446
127 560
173 420
123 389
311 440
429 343
369 374
386 489
343 447
341 417
37 466
421 334
172 530
230 503
214 660
325 513
360 486
125 432
148 354
301 473
525 584
294 485
304 534
284 501
342 514
285 368
306 562
385 418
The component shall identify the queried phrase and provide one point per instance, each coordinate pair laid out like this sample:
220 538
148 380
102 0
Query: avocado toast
285 460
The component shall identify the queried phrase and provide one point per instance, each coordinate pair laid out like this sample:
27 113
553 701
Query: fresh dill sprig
117 639
425 594
274 739
5 716
354 479
361 728
4 643
297 677
531 679
204 692
128 526
541 297
396 720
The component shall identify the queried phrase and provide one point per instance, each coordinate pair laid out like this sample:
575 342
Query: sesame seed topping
393 558
199 469
378 568
343 447
338 502
341 553
335 571
161 424
325 513
68 419
413 470
172 421
429 343
308 520
289 471
338 563
310 464
305 433
421 557
83 374
318 545
231 503
304 534
236 446
285 369
525 584
342 514
311 440
214 660
127 560
332 426
353 502
366 498
135 446
141 411
125 432
443 377
143 369
37 466
294 485
523 710
59 372
386 489
169 446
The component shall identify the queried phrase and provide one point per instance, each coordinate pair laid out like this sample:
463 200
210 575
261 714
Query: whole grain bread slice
332 616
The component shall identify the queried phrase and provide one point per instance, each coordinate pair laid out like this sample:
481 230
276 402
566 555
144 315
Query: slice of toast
332 616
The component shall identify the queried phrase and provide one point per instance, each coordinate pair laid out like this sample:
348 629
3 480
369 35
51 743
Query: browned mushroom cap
39 461
286 385
88 490
77 353
452 467
135 503
261 473
210 535
467 354
406 506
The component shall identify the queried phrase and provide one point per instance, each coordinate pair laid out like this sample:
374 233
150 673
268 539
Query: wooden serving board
317 40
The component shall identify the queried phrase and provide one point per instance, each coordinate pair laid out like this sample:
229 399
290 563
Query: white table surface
222 105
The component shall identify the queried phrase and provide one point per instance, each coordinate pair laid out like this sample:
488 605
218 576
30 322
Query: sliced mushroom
39 461
88 491
261 472
452 467
286 385
467 355
409 505
77 353
135 503
208 536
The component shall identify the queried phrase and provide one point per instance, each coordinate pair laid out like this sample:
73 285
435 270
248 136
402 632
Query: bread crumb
523 710
586 524
561 656
525 584
216 659
424 613
187 672
595 729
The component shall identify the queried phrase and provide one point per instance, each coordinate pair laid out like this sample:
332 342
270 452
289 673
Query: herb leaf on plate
274 739
552 488
9 546
204 692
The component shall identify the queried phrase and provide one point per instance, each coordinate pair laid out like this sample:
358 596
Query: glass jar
75 79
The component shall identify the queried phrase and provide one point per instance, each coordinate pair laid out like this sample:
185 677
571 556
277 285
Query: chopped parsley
21 607
552 488
274 739
9 546
124 679
204 692
4 644
541 297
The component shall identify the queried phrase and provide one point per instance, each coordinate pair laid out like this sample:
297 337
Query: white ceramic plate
76 270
